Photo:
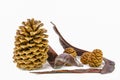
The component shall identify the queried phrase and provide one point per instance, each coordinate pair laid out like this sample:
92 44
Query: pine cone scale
31 45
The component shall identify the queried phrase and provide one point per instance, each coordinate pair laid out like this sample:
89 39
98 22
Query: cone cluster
31 45
94 59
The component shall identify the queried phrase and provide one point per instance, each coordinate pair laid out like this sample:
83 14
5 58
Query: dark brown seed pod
64 59
108 67
70 51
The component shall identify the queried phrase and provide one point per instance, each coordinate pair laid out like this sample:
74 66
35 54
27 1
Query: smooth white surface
87 24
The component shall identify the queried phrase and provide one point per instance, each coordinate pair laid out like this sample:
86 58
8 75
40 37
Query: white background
87 24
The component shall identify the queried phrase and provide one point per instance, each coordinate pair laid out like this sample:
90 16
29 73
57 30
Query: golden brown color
70 51
96 58
85 57
31 45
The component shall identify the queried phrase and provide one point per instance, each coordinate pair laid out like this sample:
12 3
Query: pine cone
96 58
31 45
85 57
70 51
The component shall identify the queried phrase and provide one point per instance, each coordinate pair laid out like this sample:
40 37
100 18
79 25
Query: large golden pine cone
85 57
31 45
96 58
70 51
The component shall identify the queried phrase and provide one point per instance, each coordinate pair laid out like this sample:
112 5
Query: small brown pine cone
70 51
31 45
84 57
96 58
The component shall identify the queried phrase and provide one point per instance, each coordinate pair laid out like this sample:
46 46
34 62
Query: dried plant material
57 61
85 57
65 44
70 71
31 45
108 68
64 59
95 59
51 56
109 65
70 51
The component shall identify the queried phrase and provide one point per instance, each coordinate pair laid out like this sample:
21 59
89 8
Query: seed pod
64 59
70 51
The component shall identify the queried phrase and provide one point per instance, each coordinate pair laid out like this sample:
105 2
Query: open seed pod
70 51
107 68
64 59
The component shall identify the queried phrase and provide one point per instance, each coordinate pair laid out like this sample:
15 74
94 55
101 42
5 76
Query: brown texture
64 59
31 45
85 57
70 51
95 60
70 71
108 67
51 56
65 44
57 61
